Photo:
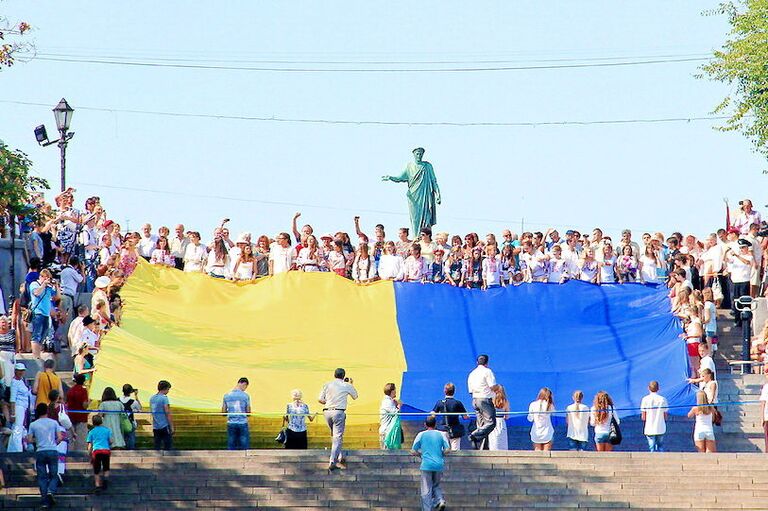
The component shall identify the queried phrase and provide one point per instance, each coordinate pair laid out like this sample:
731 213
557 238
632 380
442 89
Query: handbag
717 290
64 419
394 438
282 436
614 437
456 431
717 417
126 426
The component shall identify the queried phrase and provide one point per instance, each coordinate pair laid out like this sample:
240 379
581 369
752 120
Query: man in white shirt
741 265
76 326
71 277
281 257
654 413
178 246
334 398
757 255
746 217
482 387
147 242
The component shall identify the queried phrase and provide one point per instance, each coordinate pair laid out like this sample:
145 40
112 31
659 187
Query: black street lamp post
63 115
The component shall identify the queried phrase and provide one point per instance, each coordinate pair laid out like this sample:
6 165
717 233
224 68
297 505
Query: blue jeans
130 440
238 437
41 326
576 445
655 443
47 466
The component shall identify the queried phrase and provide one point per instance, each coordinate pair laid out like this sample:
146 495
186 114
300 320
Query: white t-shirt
648 272
707 363
492 271
541 430
654 407
147 245
602 427
713 259
480 381
391 267
557 268
281 257
578 420
606 270
741 271
764 398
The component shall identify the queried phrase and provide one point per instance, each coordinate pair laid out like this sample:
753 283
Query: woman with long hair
244 265
310 256
112 411
296 415
363 268
648 265
539 413
703 431
161 255
473 269
262 256
497 438
507 264
626 265
129 254
218 259
82 365
600 416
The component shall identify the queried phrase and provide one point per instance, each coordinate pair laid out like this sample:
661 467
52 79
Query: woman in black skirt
297 413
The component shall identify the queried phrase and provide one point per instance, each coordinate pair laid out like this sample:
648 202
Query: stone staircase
263 479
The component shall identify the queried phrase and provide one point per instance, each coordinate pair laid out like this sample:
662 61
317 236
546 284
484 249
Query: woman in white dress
244 265
649 265
497 439
539 413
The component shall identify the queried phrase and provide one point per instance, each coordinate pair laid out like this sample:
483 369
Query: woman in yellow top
45 382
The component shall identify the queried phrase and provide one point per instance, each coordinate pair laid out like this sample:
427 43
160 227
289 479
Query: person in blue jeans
42 292
45 434
237 406
162 421
431 446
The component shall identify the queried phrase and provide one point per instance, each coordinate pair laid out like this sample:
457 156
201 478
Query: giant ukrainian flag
292 330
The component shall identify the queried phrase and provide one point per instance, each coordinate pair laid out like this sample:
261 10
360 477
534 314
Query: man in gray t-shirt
45 434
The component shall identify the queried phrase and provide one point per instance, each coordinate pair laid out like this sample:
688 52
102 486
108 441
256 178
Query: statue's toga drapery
423 192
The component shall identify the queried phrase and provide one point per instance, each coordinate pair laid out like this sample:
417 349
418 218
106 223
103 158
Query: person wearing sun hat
100 293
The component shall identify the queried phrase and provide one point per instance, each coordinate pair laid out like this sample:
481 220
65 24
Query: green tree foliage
17 187
742 63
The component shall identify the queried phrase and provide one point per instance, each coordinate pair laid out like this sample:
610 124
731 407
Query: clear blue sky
643 176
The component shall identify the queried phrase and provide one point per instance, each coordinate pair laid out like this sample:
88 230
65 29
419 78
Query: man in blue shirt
237 405
44 433
42 291
431 446
162 422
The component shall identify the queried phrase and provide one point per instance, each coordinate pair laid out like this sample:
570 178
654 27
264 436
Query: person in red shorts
99 442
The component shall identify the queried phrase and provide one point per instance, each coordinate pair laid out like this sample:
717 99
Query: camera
763 229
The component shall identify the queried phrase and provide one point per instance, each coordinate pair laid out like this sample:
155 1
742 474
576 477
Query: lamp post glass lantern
63 114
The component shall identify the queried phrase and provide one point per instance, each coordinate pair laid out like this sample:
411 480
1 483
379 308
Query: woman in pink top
416 266
129 256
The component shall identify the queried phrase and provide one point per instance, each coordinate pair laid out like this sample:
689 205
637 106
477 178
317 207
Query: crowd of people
71 251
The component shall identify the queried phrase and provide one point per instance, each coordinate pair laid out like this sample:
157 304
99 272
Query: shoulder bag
456 431
614 437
